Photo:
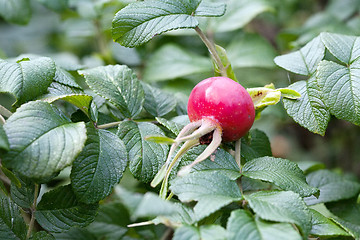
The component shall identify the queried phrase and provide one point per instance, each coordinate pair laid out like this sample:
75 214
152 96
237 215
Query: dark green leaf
187 233
309 111
157 102
64 77
4 143
348 210
119 85
255 145
174 125
59 210
58 89
322 226
305 60
15 11
343 47
353 229
23 195
39 135
310 166
283 173
208 232
152 205
75 234
12 225
211 190
242 225
251 50
28 79
146 158
332 186
12 177
42 235
340 87
281 206
99 166
171 61
138 22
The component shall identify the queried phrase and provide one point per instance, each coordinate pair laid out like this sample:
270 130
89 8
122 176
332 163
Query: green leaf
242 225
340 87
251 50
281 206
57 6
152 205
283 173
174 125
59 210
64 77
4 142
241 12
343 47
26 79
99 166
208 232
353 229
212 191
111 221
332 186
322 226
15 11
309 111
157 102
75 234
310 166
348 210
42 235
170 62
210 9
255 145
39 135
146 158
12 225
305 60
138 22
119 85
12 177
82 101
23 195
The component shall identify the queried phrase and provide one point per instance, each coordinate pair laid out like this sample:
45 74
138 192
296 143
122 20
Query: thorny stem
33 210
212 50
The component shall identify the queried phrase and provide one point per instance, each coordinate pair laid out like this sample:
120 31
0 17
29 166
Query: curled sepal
268 95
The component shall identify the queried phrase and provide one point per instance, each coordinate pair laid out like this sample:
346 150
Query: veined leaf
15 11
212 191
145 157
39 135
12 225
309 111
333 187
42 235
173 125
283 173
23 195
242 225
305 60
340 87
59 210
208 232
157 102
322 226
26 79
119 85
343 47
99 166
256 145
281 206
348 210
4 142
138 22
171 61
75 233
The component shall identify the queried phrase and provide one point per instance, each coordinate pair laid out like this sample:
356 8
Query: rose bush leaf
209 232
323 226
26 79
145 157
119 85
59 210
282 172
281 206
212 191
99 166
4 142
23 195
12 225
256 145
38 135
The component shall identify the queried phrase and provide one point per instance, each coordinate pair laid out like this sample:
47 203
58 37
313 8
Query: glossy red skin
224 101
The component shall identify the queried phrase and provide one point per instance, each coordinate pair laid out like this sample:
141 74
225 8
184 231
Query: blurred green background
77 34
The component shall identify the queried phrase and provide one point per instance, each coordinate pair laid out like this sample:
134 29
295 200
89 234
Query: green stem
213 51
108 125
33 210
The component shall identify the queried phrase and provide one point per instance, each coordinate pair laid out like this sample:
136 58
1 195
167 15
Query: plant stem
212 50
2 120
33 210
238 153
108 125
4 112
